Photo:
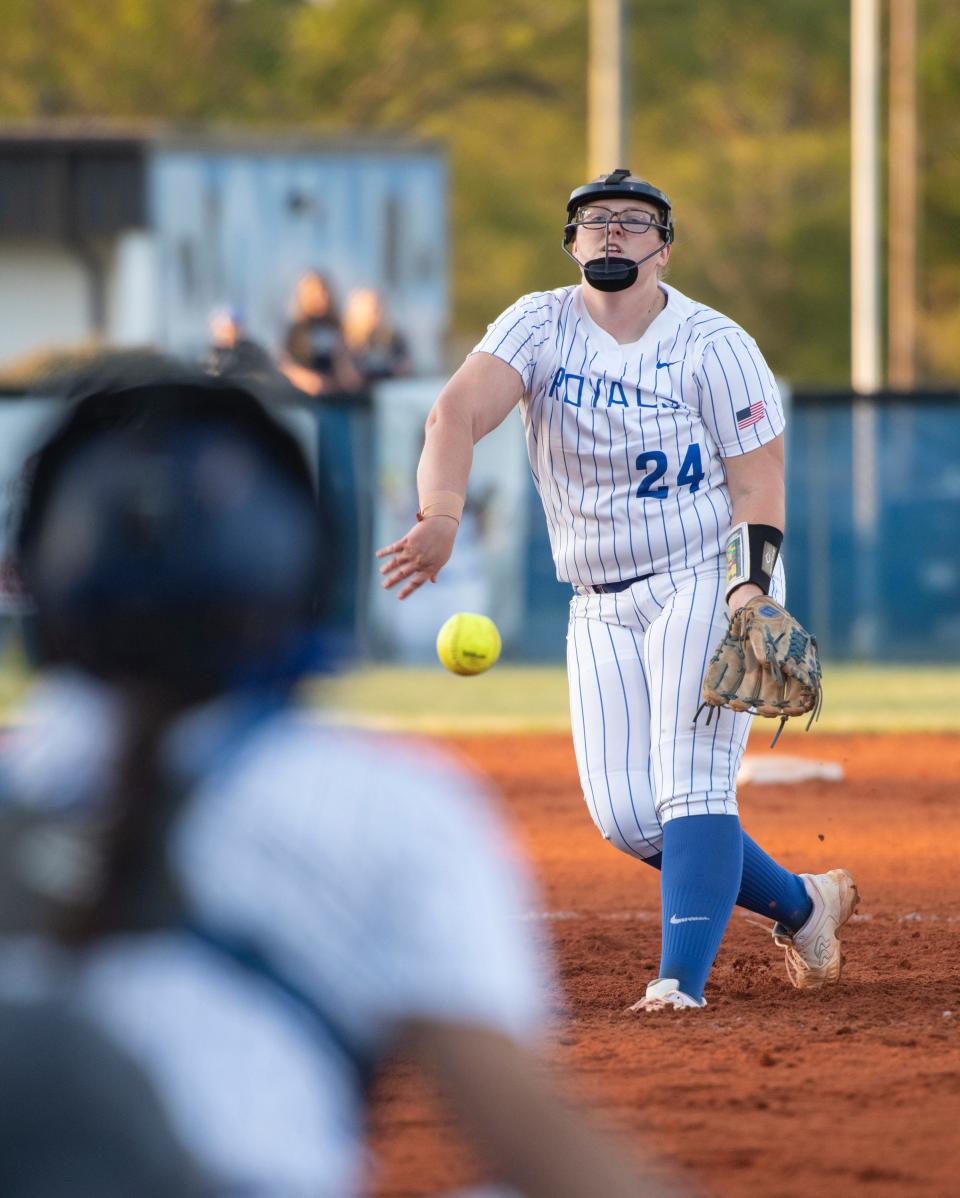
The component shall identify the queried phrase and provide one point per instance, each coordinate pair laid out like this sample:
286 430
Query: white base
775 768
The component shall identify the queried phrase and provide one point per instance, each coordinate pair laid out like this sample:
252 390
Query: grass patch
528 699
534 699
891 699
506 699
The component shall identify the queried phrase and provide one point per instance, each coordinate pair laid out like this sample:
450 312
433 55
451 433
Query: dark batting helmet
170 534
619 185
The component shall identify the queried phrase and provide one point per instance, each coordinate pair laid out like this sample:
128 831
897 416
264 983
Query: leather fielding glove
767 663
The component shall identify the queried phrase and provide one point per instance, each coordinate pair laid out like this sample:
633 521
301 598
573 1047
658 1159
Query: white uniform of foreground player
343 854
653 427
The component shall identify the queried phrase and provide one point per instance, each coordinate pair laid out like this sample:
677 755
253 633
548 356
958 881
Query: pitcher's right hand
419 556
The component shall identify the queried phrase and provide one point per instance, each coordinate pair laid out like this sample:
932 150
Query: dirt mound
768 1092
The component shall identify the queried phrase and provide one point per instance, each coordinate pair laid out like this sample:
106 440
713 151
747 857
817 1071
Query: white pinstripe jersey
626 441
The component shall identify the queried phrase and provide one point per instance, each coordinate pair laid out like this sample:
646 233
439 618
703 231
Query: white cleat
665 994
813 952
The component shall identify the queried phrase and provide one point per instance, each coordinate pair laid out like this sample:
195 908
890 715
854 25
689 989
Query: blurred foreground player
78 1118
258 907
654 430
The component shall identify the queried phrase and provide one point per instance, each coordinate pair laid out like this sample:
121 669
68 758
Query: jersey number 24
690 474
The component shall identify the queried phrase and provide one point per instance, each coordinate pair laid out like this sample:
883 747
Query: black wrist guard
752 552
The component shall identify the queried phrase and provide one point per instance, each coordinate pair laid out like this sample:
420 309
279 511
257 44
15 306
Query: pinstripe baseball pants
635 663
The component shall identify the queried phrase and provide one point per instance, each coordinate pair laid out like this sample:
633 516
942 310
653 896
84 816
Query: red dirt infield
769 1092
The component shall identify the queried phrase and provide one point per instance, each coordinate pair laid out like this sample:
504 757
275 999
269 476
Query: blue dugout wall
890 592
887 590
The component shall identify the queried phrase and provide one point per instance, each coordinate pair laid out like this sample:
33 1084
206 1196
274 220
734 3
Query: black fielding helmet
171 535
620 185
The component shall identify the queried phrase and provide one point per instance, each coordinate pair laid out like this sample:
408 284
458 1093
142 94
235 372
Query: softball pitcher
654 430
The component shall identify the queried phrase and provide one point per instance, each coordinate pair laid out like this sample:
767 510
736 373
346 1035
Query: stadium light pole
902 268
865 364
605 88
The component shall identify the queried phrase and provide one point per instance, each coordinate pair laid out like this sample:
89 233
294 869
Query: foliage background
739 110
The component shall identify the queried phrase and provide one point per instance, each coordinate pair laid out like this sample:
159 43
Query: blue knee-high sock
699 879
771 890
766 887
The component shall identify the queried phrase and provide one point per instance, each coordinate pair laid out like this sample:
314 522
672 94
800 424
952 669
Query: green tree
739 110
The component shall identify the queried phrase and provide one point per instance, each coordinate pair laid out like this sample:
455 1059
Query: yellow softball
468 643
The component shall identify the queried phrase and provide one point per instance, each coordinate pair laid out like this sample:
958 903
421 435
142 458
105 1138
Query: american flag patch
748 416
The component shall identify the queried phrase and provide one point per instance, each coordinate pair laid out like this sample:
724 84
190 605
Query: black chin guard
611 274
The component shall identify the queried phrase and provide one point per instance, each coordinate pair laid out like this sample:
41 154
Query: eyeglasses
632 220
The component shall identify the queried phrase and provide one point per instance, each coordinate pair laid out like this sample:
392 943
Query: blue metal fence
890 592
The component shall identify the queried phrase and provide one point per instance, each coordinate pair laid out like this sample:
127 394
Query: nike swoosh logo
689 918
664 365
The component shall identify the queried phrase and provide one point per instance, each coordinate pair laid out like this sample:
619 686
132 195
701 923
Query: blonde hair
363 316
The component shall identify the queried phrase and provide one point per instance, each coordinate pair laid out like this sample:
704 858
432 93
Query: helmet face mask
612 272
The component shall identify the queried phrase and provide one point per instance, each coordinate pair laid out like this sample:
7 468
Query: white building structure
131 238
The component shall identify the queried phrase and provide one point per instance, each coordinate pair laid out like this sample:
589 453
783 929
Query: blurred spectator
315 357
260 906
233 354
378 350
